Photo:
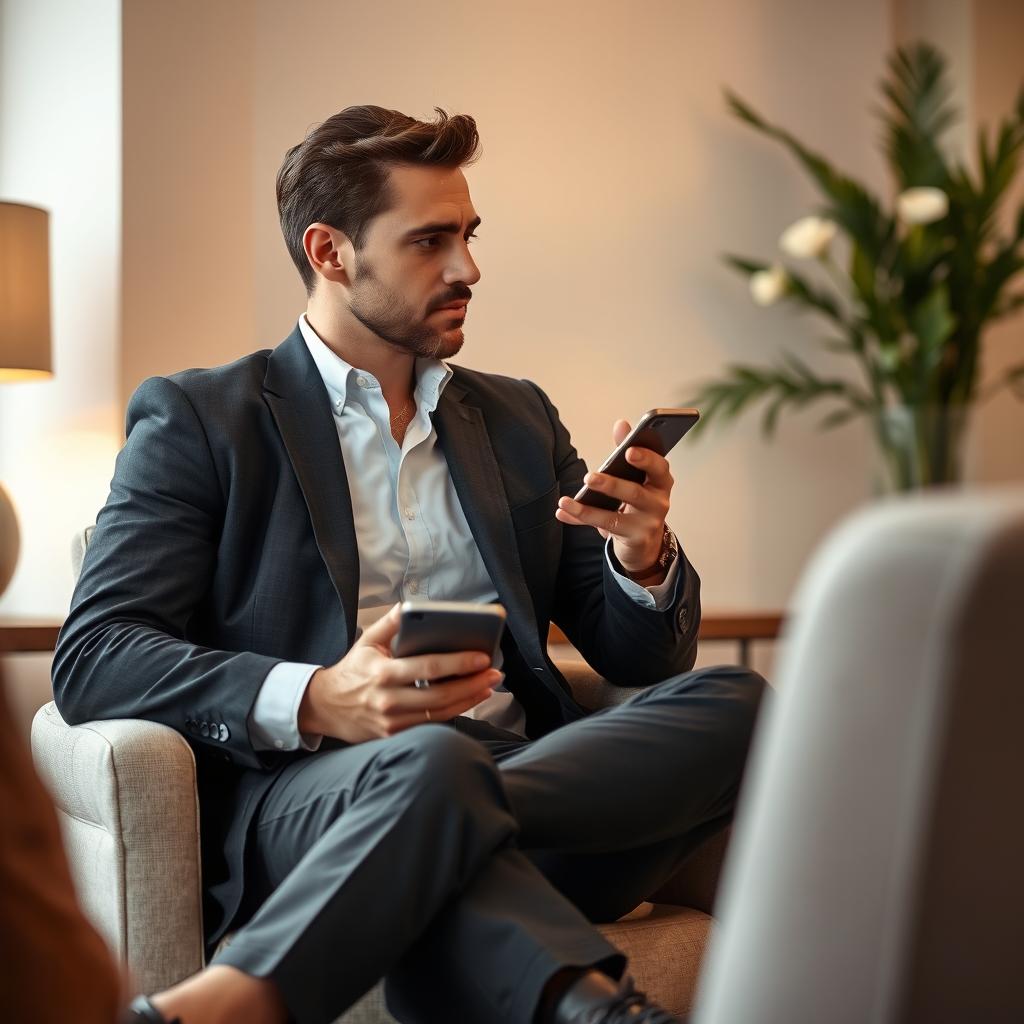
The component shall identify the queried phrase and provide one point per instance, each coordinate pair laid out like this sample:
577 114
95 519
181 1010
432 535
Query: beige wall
998 75
187 235
612 179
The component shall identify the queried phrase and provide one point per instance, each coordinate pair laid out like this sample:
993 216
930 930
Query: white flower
922 205
768 286
808 238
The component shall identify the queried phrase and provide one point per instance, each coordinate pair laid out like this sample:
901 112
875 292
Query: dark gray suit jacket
227 546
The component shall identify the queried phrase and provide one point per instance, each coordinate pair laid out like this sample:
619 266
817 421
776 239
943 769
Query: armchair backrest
79 543
875 869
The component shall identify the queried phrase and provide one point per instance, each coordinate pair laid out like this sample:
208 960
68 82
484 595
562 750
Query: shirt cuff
274 719
658 597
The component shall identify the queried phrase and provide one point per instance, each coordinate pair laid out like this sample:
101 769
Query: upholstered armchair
126 796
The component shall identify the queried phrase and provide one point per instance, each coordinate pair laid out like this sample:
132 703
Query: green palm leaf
849 203
917 114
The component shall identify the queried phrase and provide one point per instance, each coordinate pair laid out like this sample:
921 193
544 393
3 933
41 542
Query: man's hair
340 173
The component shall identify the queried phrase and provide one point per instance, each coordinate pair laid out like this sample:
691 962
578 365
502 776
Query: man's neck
394 370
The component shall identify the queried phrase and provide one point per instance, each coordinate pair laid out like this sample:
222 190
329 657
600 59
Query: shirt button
339 405
414 587
279 744
361 381
409 514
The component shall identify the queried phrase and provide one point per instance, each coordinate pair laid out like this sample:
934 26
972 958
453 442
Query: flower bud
768 286
922 205
808 238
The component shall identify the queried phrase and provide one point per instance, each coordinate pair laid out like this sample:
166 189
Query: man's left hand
637 527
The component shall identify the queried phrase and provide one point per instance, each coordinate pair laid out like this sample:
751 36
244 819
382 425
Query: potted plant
919 281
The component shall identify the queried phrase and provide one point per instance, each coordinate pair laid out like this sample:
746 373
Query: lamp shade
24 293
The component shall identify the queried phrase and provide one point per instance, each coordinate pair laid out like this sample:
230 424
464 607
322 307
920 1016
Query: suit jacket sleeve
627 643
125 649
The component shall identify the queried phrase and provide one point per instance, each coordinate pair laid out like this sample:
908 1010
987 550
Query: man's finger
626 525
654 465
382 631
405 699
436 666
640 496
398 723
620 431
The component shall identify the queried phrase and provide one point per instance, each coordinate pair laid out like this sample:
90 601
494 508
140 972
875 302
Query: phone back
659 430
428 629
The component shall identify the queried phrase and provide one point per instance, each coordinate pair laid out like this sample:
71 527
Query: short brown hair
339 173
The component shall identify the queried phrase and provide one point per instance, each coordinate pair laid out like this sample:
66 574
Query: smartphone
442 627
659 430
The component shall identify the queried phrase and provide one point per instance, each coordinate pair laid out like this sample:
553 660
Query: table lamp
24 329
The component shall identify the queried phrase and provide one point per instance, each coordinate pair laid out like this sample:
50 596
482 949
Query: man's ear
329 251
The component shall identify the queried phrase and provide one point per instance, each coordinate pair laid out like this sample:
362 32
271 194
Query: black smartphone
442 627
657 429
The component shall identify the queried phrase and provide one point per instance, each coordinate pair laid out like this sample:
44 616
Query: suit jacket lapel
295 393
474 471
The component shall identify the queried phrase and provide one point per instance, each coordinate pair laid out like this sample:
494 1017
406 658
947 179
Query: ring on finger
421 684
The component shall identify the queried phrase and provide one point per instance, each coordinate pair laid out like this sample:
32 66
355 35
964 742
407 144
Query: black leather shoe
588 1002
142 1011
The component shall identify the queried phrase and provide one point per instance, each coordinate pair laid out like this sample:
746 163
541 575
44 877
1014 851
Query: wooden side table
741 628
21 636
24 635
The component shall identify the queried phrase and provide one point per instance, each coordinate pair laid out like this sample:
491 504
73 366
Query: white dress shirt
412 536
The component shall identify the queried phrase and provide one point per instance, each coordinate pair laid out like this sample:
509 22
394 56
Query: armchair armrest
125 792
590 689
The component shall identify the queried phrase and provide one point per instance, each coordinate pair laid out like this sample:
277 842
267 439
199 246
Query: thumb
382 631
620 431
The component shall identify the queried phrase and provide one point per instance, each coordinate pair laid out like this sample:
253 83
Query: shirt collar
342 379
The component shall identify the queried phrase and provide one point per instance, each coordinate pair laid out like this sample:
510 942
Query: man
265 516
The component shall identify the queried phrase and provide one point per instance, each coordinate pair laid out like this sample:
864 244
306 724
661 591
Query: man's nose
463 268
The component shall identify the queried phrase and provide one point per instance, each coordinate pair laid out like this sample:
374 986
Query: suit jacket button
222 733
204 729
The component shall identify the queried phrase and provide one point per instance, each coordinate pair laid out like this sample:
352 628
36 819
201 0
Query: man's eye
434 238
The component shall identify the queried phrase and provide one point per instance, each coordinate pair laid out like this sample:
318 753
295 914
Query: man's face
416 259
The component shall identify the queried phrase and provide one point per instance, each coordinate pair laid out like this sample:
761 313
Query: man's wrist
649 577
656 573
308 719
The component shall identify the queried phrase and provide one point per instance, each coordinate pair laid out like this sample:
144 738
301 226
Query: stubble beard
383 312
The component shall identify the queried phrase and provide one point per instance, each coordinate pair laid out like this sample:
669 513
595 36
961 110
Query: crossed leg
469 878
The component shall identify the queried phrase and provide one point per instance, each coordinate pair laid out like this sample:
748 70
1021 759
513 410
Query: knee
732 694
748 689
437 759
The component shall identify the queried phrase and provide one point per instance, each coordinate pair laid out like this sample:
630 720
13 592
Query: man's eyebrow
445 227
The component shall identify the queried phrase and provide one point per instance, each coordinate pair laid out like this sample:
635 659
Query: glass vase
919 446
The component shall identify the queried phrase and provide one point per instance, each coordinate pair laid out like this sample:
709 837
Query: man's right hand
369 693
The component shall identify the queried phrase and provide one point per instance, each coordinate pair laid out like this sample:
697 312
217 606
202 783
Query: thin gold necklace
403 414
